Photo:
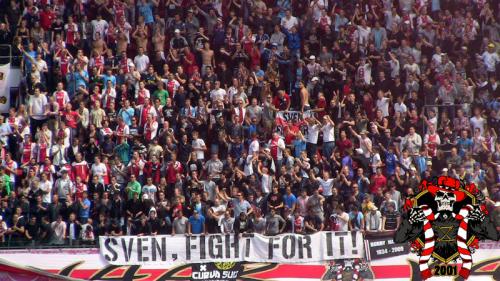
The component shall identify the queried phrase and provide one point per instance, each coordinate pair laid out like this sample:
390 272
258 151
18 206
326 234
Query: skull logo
445 200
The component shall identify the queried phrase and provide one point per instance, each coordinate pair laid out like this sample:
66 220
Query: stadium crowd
161 116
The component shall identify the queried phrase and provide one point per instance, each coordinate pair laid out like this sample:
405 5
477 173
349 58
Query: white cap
445 169
315 79
312 57
177 31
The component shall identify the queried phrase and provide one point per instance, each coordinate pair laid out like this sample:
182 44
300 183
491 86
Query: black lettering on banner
215 245
353 236
248 244
272 246
160 249
445 270
285 243
342 243
127 251
329 244
189 247
142 248
307 245
229 245
203 253
110 249
299 245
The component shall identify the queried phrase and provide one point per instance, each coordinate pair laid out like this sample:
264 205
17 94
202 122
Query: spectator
373 219
275 224
328 109
227 223
180 224
356 219
196 223
59 229
391 219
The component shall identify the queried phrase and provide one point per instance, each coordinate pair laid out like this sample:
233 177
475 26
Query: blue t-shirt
390 163
84 213
111 78
80 79
27 61
289 200
126 115
298 147
356 219
146 10
464 145
197 224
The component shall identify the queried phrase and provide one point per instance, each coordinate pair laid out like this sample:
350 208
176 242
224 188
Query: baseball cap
177 31
491 45
312 57
315 79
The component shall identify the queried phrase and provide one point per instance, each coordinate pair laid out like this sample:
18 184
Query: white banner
292 119
4 88
286 248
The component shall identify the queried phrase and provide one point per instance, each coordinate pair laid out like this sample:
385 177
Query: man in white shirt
217 93
38 107
198 146
490 58
141 61
383 103
326 184
400 107
5 130
313 127
328 131
99 26
289 21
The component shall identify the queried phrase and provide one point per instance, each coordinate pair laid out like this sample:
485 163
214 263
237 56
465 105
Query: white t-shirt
477 123
265 183
375 160
363 34
38 105
46 187
383 105
400 107
141 63
289 23
253 147
217 94
312 133
328 133
326 185
343 224
99 170
99 26
248 169
198 144
490 60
